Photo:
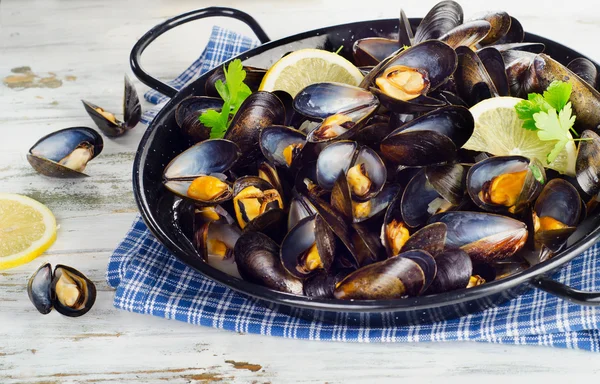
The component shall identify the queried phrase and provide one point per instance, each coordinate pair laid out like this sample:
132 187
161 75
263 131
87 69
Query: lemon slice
499 131
27 229
304 67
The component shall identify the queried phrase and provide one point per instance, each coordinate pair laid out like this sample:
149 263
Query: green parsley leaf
555 127
558 94
233 92
339 49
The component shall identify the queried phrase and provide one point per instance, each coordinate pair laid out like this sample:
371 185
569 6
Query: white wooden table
80 49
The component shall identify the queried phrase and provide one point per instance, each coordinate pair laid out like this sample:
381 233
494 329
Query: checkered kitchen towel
149 279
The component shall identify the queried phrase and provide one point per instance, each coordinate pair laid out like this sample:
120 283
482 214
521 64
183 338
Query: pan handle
565 292
151 35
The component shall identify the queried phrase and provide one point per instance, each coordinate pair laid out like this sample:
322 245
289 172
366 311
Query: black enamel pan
163 141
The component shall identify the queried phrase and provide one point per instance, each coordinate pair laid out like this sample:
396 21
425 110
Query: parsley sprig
233 92
550 115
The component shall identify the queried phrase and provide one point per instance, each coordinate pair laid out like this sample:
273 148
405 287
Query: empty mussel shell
198 173
187 116
393 278
39 291
65 153
556 213
108 122
65 289
486 237
308 247
257 258
505 183
300 208
342 109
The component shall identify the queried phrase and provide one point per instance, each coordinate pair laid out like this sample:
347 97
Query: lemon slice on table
304 67
27 229
499 131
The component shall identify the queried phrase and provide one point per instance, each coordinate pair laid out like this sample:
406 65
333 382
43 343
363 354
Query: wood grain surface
54 53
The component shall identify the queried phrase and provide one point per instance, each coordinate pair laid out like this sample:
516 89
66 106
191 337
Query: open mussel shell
587 166
505 184
517 66
431 139
308 247
428 194
258 261
499 25
108 123
472 79
365 172
343 109
215 242
468 34
454 269
282 145
585 99
72 292
253 78
492 61
65 153
440 19
261 109
585 69
299 209
515 33
429 65
372 50
188 112
254 197
486 237
393 278
39 289
205 159
556 213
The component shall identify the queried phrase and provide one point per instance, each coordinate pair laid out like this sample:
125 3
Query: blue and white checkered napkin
150 280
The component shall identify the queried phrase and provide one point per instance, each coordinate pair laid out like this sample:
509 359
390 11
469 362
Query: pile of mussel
366 192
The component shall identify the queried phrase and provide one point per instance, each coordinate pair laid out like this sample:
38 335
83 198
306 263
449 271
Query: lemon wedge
499 131
27 229
304 67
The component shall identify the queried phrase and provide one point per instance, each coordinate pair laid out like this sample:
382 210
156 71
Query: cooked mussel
65 289
515 33
431 139
364 170
342 109
454 270
468 34
253 197
472 78
300 208
499 26
108 122
187 116
198 172
587 165
261 109
486 237
393 278
215 242
403 83
282 145
308 247
440 19
505 183
65 153
433 190
257 258
556 213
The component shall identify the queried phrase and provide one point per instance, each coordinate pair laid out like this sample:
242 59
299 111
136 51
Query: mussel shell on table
65 153
39 289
